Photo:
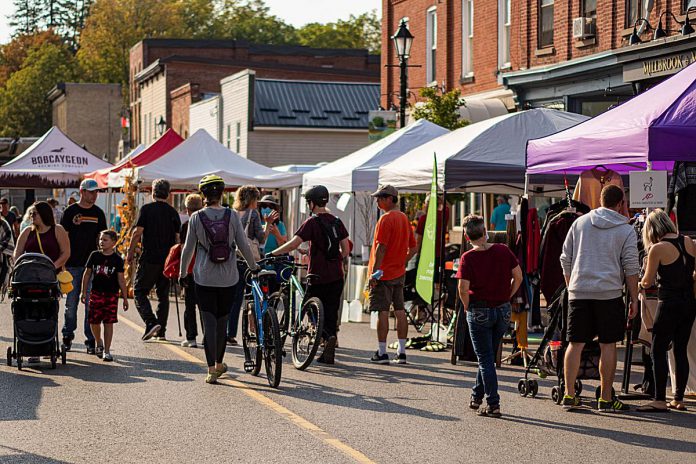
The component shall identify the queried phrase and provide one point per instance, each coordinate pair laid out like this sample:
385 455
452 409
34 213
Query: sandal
475 403
651 408
489 411
676 405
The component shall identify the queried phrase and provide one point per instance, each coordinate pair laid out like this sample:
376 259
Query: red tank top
49 243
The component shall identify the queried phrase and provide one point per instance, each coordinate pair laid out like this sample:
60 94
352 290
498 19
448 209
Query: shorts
605 319
387 294
103 308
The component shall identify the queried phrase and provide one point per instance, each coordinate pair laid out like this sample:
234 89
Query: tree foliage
363 31
441 108
13 54
251 20
24 109
65 17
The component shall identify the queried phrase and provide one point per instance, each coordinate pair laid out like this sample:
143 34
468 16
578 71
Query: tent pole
441 262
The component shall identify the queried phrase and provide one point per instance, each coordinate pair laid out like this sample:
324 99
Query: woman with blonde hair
670 264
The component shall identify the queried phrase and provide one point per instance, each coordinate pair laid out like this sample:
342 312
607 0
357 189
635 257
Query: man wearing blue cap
83 221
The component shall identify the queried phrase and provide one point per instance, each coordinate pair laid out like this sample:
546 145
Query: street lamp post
161 125
403 39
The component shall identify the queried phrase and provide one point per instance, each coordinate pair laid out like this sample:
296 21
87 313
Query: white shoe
189 344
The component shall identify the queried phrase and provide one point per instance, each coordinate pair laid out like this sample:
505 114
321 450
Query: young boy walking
105 268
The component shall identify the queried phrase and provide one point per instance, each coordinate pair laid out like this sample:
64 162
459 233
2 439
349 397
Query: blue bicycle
261 331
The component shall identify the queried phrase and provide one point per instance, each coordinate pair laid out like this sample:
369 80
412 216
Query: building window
239 137
229 135
545 23
431 45
504 13
633 11
467 38
589 9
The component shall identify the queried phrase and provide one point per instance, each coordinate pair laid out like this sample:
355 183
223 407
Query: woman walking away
671 263
105 268
245 203
213 233
489 276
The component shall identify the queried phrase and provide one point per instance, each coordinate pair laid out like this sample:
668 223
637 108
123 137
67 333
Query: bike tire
281 305
272 349
308 331
250 340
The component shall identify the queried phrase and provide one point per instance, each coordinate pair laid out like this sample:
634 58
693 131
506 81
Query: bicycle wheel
280 303
272 349
308 330
250 341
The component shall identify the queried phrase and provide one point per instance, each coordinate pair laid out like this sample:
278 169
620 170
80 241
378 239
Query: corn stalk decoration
128 216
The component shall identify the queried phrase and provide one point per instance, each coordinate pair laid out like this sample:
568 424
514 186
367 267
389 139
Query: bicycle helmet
211 184
317 194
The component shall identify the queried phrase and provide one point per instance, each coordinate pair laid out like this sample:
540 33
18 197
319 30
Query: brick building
90 114
163 71
571 54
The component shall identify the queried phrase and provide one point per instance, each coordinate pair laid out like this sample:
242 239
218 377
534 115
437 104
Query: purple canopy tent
657 126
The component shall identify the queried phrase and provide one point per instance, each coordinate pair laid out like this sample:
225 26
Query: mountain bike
261 331
302 320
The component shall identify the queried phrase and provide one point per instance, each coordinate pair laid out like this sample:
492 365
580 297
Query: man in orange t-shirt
393 246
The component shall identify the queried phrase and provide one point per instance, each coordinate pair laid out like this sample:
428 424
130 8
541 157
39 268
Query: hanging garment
533 241
682 187
589 187
552 246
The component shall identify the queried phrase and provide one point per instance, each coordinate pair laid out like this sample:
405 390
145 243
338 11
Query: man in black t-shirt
9 216
158 226
83 221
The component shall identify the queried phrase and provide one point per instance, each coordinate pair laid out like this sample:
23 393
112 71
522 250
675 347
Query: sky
295 12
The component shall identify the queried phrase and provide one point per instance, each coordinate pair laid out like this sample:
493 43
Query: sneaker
160 338
221 371
327 356
232 341
570 402
489 411
211 378
399 358
67 344
91 349
475 403
380 358
151 331
189 344
611 406
99 351
106 357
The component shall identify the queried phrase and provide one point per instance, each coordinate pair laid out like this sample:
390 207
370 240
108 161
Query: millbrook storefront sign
656 67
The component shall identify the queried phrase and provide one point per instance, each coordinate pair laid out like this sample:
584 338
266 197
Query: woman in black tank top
670 262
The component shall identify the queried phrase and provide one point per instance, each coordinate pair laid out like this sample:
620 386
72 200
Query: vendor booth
53 161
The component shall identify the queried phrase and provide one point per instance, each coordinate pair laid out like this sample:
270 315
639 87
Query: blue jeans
72 301
487 326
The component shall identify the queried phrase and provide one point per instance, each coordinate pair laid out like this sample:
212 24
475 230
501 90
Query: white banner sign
648 189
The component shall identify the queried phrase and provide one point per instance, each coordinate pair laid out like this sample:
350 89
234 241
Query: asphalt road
152 405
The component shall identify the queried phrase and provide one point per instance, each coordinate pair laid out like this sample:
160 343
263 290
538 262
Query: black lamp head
634 38
659 32
687 28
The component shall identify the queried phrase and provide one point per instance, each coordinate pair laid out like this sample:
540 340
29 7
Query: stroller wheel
578 387
19 363
556 395
533 388
522 387
63 357
53 361
9 356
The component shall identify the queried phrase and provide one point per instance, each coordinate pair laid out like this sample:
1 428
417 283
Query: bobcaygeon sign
57 158
655 67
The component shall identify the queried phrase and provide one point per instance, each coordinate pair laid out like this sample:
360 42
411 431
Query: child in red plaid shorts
105 268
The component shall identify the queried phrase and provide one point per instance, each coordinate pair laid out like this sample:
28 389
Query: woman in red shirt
489 276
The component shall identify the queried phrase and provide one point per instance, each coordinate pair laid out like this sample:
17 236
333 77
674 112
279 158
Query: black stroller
548 359
35 294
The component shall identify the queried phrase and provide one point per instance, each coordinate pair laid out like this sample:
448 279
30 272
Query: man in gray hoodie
599 255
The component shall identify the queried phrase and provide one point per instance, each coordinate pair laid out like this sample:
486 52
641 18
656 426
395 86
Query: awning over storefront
658 126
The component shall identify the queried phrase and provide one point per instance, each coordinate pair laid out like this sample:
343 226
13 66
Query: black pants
147 276
331 295
190 301
214 304
673 323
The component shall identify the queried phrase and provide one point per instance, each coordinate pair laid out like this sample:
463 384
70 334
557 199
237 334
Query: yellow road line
260 398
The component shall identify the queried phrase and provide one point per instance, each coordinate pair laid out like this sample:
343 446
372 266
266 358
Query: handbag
65 279
253 243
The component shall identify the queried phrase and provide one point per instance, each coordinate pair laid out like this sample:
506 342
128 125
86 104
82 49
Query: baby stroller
548 359
35 293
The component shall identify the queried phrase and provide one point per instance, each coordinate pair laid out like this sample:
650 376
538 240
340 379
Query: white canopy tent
53 161
483 157
359 171
200 155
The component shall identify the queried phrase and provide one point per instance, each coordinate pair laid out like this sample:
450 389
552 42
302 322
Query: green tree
252 21
440 108
13 53
24 109
362 31
26 18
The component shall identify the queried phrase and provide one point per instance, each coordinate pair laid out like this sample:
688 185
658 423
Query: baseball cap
386 191
89 184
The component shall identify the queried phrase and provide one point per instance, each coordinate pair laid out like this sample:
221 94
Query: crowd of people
219 245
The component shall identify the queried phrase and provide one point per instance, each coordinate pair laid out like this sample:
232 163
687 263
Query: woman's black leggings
214 304
673 323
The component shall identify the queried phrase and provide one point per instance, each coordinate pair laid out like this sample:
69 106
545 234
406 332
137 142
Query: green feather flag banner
426 261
